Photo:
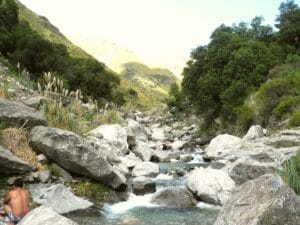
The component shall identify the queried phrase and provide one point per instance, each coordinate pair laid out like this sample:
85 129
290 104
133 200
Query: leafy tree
289 24
8 14
175 96
220 76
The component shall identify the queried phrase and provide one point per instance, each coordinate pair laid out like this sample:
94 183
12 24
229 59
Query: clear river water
138 210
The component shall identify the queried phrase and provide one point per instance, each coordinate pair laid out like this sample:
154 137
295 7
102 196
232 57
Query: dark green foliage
221 75
241 59
23 45
175 97
289 25
295 119
285 106
279 97
8 18
245 117
91 189
8 14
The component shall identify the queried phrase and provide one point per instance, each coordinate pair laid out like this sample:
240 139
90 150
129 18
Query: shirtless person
16 202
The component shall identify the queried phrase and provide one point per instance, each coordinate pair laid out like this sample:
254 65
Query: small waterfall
133 201
197 158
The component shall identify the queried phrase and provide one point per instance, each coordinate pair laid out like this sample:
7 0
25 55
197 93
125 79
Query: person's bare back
19 201
16 202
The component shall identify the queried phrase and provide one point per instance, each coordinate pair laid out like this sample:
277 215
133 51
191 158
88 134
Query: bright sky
161 32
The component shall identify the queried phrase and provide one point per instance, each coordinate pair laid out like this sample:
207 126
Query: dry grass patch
15 140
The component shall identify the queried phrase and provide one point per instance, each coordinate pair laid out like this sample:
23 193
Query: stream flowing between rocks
138 210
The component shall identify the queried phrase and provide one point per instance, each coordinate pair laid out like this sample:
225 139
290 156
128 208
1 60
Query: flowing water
138 210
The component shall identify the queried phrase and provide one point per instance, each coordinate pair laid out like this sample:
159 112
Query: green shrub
291 172
245 117
272 92
285 106
90 189
295 119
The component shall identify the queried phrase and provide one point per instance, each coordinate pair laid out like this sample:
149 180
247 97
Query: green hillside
147 86
147 80
44 28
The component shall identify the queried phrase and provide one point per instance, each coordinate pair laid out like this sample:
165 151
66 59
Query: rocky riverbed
172 186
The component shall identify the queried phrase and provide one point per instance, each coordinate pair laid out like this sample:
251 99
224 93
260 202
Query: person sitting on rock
16 202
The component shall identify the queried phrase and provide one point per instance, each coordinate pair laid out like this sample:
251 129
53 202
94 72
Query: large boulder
58 197
247 169
137 130
16 114
74 154
143 151
266 200
143 185
145 169
114 133
11 164
174 198
210 185
254 132
223 145
45 216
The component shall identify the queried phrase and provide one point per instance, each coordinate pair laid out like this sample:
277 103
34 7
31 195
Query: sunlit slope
156 81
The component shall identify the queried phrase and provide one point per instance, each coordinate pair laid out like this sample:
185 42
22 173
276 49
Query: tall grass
291 173
60 117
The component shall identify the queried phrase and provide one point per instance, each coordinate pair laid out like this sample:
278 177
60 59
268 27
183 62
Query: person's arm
7 199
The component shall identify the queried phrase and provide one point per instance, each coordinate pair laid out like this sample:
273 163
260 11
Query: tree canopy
221 75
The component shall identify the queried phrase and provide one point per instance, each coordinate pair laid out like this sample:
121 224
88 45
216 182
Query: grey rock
114 134
45 216
266 200
11 164
223 145
137 130
123 169
16 114
165 155
11 180
160 156
74 154
247 169
145 169
174 198
158 134
59 171
44 176
143 185
57 197
113 159
42 158
34 102
254 132
210 185
130 160
143 151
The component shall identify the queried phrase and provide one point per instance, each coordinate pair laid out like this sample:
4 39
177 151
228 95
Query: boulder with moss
75 154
